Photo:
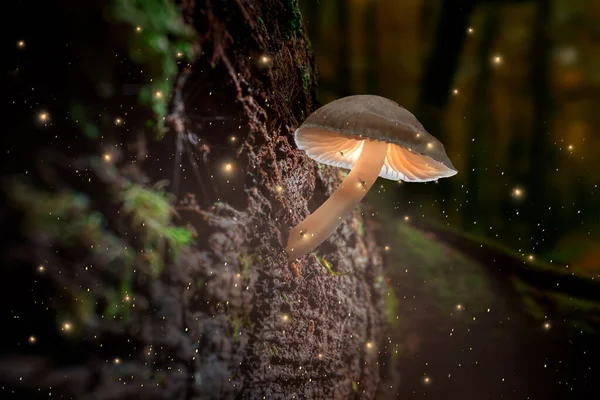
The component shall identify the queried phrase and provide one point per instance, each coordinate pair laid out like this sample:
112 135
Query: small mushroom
372 136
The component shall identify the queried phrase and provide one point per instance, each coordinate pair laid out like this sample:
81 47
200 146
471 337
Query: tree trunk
476 196
110 289
541 154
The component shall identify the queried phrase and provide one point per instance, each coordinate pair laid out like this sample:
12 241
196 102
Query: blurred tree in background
510 87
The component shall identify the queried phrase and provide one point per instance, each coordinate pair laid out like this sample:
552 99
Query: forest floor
473 320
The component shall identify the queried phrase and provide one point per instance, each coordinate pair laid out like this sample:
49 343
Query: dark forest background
511 88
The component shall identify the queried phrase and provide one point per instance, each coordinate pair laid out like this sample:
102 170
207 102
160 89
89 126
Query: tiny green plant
150 211
327 265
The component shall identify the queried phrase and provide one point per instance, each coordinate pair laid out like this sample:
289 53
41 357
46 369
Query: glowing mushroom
372 136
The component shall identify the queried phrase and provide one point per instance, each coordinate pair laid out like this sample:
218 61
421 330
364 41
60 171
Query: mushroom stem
318 226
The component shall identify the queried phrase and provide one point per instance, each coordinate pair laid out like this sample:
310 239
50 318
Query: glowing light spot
285 317
233 139
138 28
67 327
418 135
459 307
107 157
369 345
179 54
44 116
228 167
429 146
455 92
426 380
530 257
117 361
118 121
406 218
470 30
517 192
387 248
279 189
497 59
41 268
32 339
158 94
265 60
320 356
21 44
127 298
547 325
570 147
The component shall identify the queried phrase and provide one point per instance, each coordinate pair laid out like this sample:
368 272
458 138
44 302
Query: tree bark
97 304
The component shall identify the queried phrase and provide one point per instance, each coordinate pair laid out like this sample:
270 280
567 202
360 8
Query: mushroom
372 136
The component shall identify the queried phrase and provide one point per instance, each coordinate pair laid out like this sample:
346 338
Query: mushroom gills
402 164
318 226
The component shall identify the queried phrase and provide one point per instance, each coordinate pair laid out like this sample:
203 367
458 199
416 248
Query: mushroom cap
334 135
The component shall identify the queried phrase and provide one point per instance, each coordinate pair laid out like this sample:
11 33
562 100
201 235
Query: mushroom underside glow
399 164
318 226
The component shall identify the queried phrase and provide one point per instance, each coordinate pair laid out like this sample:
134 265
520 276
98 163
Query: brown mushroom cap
334 135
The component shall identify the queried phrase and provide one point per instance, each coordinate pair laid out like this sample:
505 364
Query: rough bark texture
228 317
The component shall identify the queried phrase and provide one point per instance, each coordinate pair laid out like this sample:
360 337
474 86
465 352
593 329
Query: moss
236 324
151 211
327 265
261 22
293 21
355 386
391 307
65 217
157 38
304 76
360 229
275 351
245 261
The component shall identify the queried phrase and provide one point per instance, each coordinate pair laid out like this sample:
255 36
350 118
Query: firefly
517 192
265 60
44 116
547 325
67 327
